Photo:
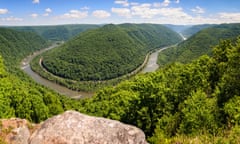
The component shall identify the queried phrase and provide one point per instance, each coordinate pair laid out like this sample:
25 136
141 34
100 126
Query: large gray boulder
75 128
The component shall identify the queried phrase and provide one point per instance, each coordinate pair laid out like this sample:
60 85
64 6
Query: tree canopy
58 32
199 44
107 52
180 99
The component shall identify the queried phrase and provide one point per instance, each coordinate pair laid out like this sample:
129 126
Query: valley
119 52
149 65
201 42
120 72
25 66
196 98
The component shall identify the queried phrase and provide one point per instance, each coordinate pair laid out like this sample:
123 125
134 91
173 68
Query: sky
179 12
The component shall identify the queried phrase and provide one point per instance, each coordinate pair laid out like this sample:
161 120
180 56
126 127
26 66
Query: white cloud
143 10
36 1
198 10
134 3
12 19
148 11
122 2
101 14
3 11
230 17
125 12
165 3
85 8
48 10
173 13
34 15
157 4
76 14
46 14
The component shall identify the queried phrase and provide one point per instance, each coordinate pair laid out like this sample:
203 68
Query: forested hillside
180 103
196 102
188 32
199 44
178 28
58 32
14 45
19 95
108 52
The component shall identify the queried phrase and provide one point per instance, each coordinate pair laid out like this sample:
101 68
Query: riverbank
152 65
25 66
87 86
59 84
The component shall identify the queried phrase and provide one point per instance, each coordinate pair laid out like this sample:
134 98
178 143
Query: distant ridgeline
188 32
107 52
57 33
200 43
15 45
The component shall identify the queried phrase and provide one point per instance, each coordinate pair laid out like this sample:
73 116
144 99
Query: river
25 66
152 65
182 36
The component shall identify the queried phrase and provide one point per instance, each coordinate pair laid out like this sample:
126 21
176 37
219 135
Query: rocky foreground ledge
70 128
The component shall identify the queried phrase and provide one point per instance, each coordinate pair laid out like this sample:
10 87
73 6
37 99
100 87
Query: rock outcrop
15 130
75 128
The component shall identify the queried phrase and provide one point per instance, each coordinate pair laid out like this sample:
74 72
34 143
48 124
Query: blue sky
54 12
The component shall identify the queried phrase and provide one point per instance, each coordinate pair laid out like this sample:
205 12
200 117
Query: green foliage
224 137
57 33
156 95
19 95
196 102
199 44
14 46
188 32
178 28
108 52
232 109
100 54
179 101
199 114
229 70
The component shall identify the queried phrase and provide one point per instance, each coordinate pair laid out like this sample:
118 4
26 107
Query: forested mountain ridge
196 102
199 44
178 28
180 103
15 45
58 32
107 52
152 35
190 31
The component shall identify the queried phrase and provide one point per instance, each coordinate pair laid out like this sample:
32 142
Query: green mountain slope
57 33
199 100
107 52
178 28
188 32
20 96
199 44
15 45
181 103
